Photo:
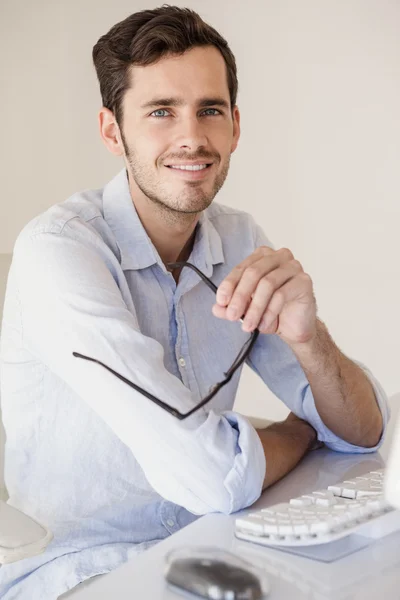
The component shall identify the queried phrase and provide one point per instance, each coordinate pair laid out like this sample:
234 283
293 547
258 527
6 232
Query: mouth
191 172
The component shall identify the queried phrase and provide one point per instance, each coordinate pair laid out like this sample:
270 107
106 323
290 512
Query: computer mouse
214 578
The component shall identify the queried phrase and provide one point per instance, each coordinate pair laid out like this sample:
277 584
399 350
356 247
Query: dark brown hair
145 37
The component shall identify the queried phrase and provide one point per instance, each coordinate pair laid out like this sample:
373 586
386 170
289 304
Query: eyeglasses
239 360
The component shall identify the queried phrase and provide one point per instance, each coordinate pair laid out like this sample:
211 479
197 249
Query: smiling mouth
191 168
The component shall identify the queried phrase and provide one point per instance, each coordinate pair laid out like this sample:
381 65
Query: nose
192 134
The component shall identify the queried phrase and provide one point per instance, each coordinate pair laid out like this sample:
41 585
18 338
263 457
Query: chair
20 535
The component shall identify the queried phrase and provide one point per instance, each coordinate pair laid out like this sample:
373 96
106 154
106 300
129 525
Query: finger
219 311
271 328
265 290
228 285
251 276
295 289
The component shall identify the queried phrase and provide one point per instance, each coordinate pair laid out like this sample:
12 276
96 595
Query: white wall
4 266
318 162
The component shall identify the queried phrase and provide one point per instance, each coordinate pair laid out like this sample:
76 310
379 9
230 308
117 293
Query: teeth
189 167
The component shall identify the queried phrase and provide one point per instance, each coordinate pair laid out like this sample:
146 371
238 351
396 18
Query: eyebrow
154 102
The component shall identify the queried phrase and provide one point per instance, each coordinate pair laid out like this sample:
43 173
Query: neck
171 232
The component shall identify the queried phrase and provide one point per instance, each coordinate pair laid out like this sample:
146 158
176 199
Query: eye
212 109
159 110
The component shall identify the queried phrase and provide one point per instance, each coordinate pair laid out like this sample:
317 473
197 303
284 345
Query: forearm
284 445
343 394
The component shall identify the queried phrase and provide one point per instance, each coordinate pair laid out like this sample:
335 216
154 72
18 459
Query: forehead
197 73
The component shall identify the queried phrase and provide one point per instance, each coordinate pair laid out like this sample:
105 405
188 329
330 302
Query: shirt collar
137 249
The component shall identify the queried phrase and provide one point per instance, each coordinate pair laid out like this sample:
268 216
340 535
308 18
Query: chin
193 207
188 203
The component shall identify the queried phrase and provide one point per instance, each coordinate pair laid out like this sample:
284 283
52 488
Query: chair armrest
20 535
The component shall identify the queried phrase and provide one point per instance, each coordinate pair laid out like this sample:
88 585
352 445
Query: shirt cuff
246 478
330 439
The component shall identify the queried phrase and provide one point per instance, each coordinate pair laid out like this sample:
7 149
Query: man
95 296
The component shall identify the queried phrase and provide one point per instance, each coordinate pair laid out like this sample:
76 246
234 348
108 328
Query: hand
273 292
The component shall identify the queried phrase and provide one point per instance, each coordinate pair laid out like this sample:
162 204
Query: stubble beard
191 201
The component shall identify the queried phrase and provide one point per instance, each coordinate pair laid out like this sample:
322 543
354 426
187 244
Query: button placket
182 354
168 517
178 352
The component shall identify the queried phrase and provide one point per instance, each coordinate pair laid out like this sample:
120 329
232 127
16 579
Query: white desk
368 574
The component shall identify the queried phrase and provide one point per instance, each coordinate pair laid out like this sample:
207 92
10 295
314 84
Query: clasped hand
272 291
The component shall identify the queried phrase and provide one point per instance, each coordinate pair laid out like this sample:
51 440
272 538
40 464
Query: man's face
176 113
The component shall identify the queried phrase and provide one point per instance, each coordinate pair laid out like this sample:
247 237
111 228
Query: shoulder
82 207
79 218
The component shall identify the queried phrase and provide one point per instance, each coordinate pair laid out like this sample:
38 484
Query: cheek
147 151
222 140
156 146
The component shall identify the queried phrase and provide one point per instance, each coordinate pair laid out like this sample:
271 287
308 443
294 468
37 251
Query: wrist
313 442
311 346
310 436
304 431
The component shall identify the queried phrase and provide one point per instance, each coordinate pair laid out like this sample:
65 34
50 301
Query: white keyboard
354 506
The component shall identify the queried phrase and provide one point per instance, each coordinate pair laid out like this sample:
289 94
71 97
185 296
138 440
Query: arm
284 445
280 302
343 395
69 301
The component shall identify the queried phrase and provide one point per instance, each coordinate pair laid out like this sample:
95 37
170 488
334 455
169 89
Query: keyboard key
324 498
295 511
343 492
271 528
269 519
282 508
335 489
251 524
302 501
286 529
301 528
320 527
326 501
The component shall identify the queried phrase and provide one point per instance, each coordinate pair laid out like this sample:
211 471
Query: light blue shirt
108 471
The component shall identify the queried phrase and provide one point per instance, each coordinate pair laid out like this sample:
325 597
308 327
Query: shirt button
170 522
182 362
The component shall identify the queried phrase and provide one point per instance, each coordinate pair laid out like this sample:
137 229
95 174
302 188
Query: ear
236 128
110 132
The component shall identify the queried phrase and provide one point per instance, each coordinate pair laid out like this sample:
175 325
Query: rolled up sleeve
70 302
274 361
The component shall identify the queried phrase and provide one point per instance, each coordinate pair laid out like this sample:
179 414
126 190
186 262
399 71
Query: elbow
369 437
221 497
374 434
240 494
221 501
